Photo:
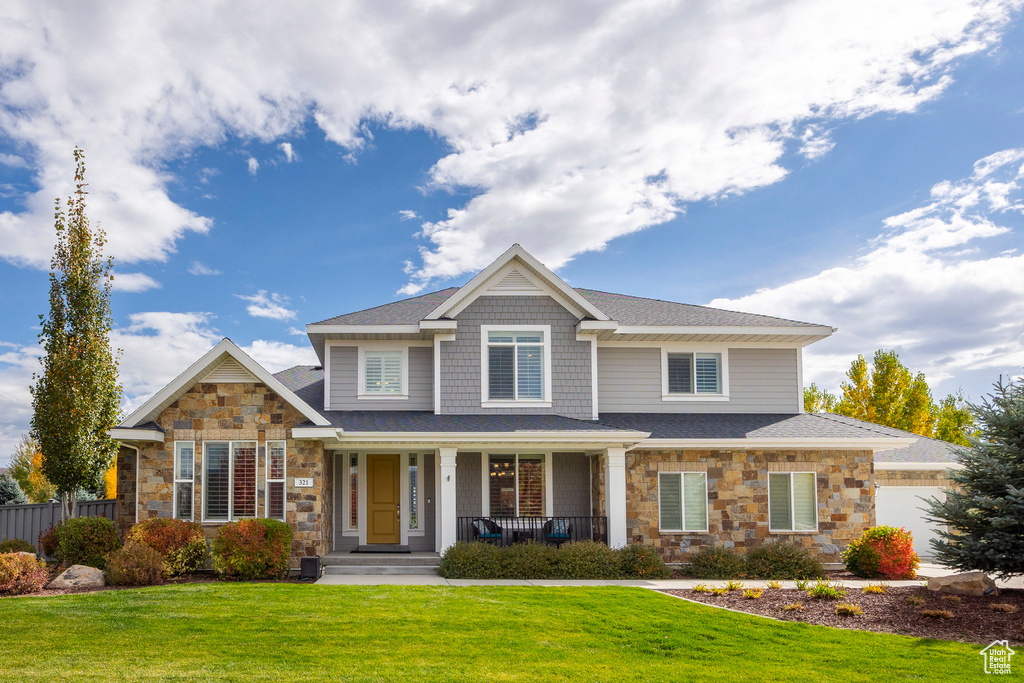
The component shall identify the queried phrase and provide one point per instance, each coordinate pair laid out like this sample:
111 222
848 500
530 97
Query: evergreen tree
984 510
10 492
76 398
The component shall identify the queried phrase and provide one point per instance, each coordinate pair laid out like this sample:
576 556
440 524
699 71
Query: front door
383 511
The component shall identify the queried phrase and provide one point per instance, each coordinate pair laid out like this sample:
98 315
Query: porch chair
557 531
488 531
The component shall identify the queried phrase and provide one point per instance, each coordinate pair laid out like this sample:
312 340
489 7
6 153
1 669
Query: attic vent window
514 281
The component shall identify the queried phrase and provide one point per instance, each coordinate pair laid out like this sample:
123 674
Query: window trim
361 393
231 481
174 491
420 528
695 349
682 504
267 481
485 400
792 505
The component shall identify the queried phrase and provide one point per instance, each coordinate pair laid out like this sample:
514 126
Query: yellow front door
383 511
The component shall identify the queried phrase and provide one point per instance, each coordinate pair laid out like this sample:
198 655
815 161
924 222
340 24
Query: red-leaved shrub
21 573
883 551
135 564
48 541
252 549
181 543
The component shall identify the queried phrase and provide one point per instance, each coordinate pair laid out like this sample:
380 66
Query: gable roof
403 312
226 349
923 450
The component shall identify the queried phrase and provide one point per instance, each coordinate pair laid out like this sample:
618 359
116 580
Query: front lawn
286 632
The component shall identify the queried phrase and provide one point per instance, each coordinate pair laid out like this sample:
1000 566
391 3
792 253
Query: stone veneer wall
738 498
240 412
124 516
913 478
597 486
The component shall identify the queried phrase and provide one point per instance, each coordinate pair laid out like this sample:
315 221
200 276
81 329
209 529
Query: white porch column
615 495
446 499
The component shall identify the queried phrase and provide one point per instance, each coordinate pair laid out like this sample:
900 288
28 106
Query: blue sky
857 165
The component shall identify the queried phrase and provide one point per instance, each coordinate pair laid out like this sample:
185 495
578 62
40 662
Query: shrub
135 564
469 561
1002 607
16 545
783 561
753 593
20 574
849 609
715 562
794 607
252 549
734 586
48 542
701 588
916 600
955 599
642 562
936 613
182 544
774 585
85 540
823 590
719 590
802 584
540 561
882 551
874 588
587 560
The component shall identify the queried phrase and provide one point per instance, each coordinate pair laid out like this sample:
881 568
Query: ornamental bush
716 562
585 560
135 564
20 574
469 561
16 545
882 551
252 549
642 562
48 542
779 560
182 544
85 540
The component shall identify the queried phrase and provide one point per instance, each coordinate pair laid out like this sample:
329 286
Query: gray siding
425 543
345 374
461 362
570 479
467 485
760 381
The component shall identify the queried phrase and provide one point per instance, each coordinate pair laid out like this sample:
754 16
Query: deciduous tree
27 468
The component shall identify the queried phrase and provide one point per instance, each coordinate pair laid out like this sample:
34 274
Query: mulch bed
972 622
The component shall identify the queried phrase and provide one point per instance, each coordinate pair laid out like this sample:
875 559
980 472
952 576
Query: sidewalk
925 571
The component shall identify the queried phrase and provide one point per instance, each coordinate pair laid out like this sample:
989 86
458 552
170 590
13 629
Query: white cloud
290 154
13 161
198 268
816 143
294 331
253 165
573 123
408 215
264 305
936 285
276 356
205 174
133 282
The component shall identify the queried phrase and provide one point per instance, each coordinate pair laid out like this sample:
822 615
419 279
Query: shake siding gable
760 381
345 373
570 359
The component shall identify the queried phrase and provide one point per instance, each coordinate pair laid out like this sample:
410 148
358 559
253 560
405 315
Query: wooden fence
28 521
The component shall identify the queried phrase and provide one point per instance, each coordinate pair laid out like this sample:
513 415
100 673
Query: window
277 464
682 501
515 365
383 373
792 501
516 485
184 478
230 490
414 499
353 491
693 375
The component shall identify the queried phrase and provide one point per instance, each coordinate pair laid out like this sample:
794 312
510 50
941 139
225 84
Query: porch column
446 499
615 495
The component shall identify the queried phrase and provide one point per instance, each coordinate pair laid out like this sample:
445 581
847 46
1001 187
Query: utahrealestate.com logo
997 657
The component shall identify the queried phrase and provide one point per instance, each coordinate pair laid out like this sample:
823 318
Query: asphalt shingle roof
922 450
425 421
736 426
404 312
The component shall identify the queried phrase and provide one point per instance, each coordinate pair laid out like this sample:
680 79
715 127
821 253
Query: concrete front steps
379 564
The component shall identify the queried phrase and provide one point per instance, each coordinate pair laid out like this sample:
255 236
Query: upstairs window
693 375
383 373
515 365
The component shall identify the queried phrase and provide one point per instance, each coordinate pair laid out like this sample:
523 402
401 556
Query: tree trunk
69 504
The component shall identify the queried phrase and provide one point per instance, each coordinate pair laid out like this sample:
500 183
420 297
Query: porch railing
557 529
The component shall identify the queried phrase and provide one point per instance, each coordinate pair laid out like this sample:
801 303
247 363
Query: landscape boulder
79 576
968 583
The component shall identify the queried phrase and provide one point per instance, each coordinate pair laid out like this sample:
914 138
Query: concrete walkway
925 572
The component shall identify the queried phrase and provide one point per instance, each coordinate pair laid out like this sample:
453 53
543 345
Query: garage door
901 506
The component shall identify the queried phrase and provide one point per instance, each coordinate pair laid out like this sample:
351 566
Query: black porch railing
557 529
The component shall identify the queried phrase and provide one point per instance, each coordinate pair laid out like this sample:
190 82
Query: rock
79 576
968 583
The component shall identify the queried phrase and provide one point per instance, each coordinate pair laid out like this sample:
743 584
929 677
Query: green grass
291 632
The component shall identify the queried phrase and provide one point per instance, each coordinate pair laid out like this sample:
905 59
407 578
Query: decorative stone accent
126 482
79 576
738 498
968 583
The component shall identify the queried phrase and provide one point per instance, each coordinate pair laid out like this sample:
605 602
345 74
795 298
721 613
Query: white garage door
901 506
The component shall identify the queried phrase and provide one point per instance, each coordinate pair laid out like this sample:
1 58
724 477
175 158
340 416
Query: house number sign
303 482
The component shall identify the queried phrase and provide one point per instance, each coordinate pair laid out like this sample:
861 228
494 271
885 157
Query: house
513 408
